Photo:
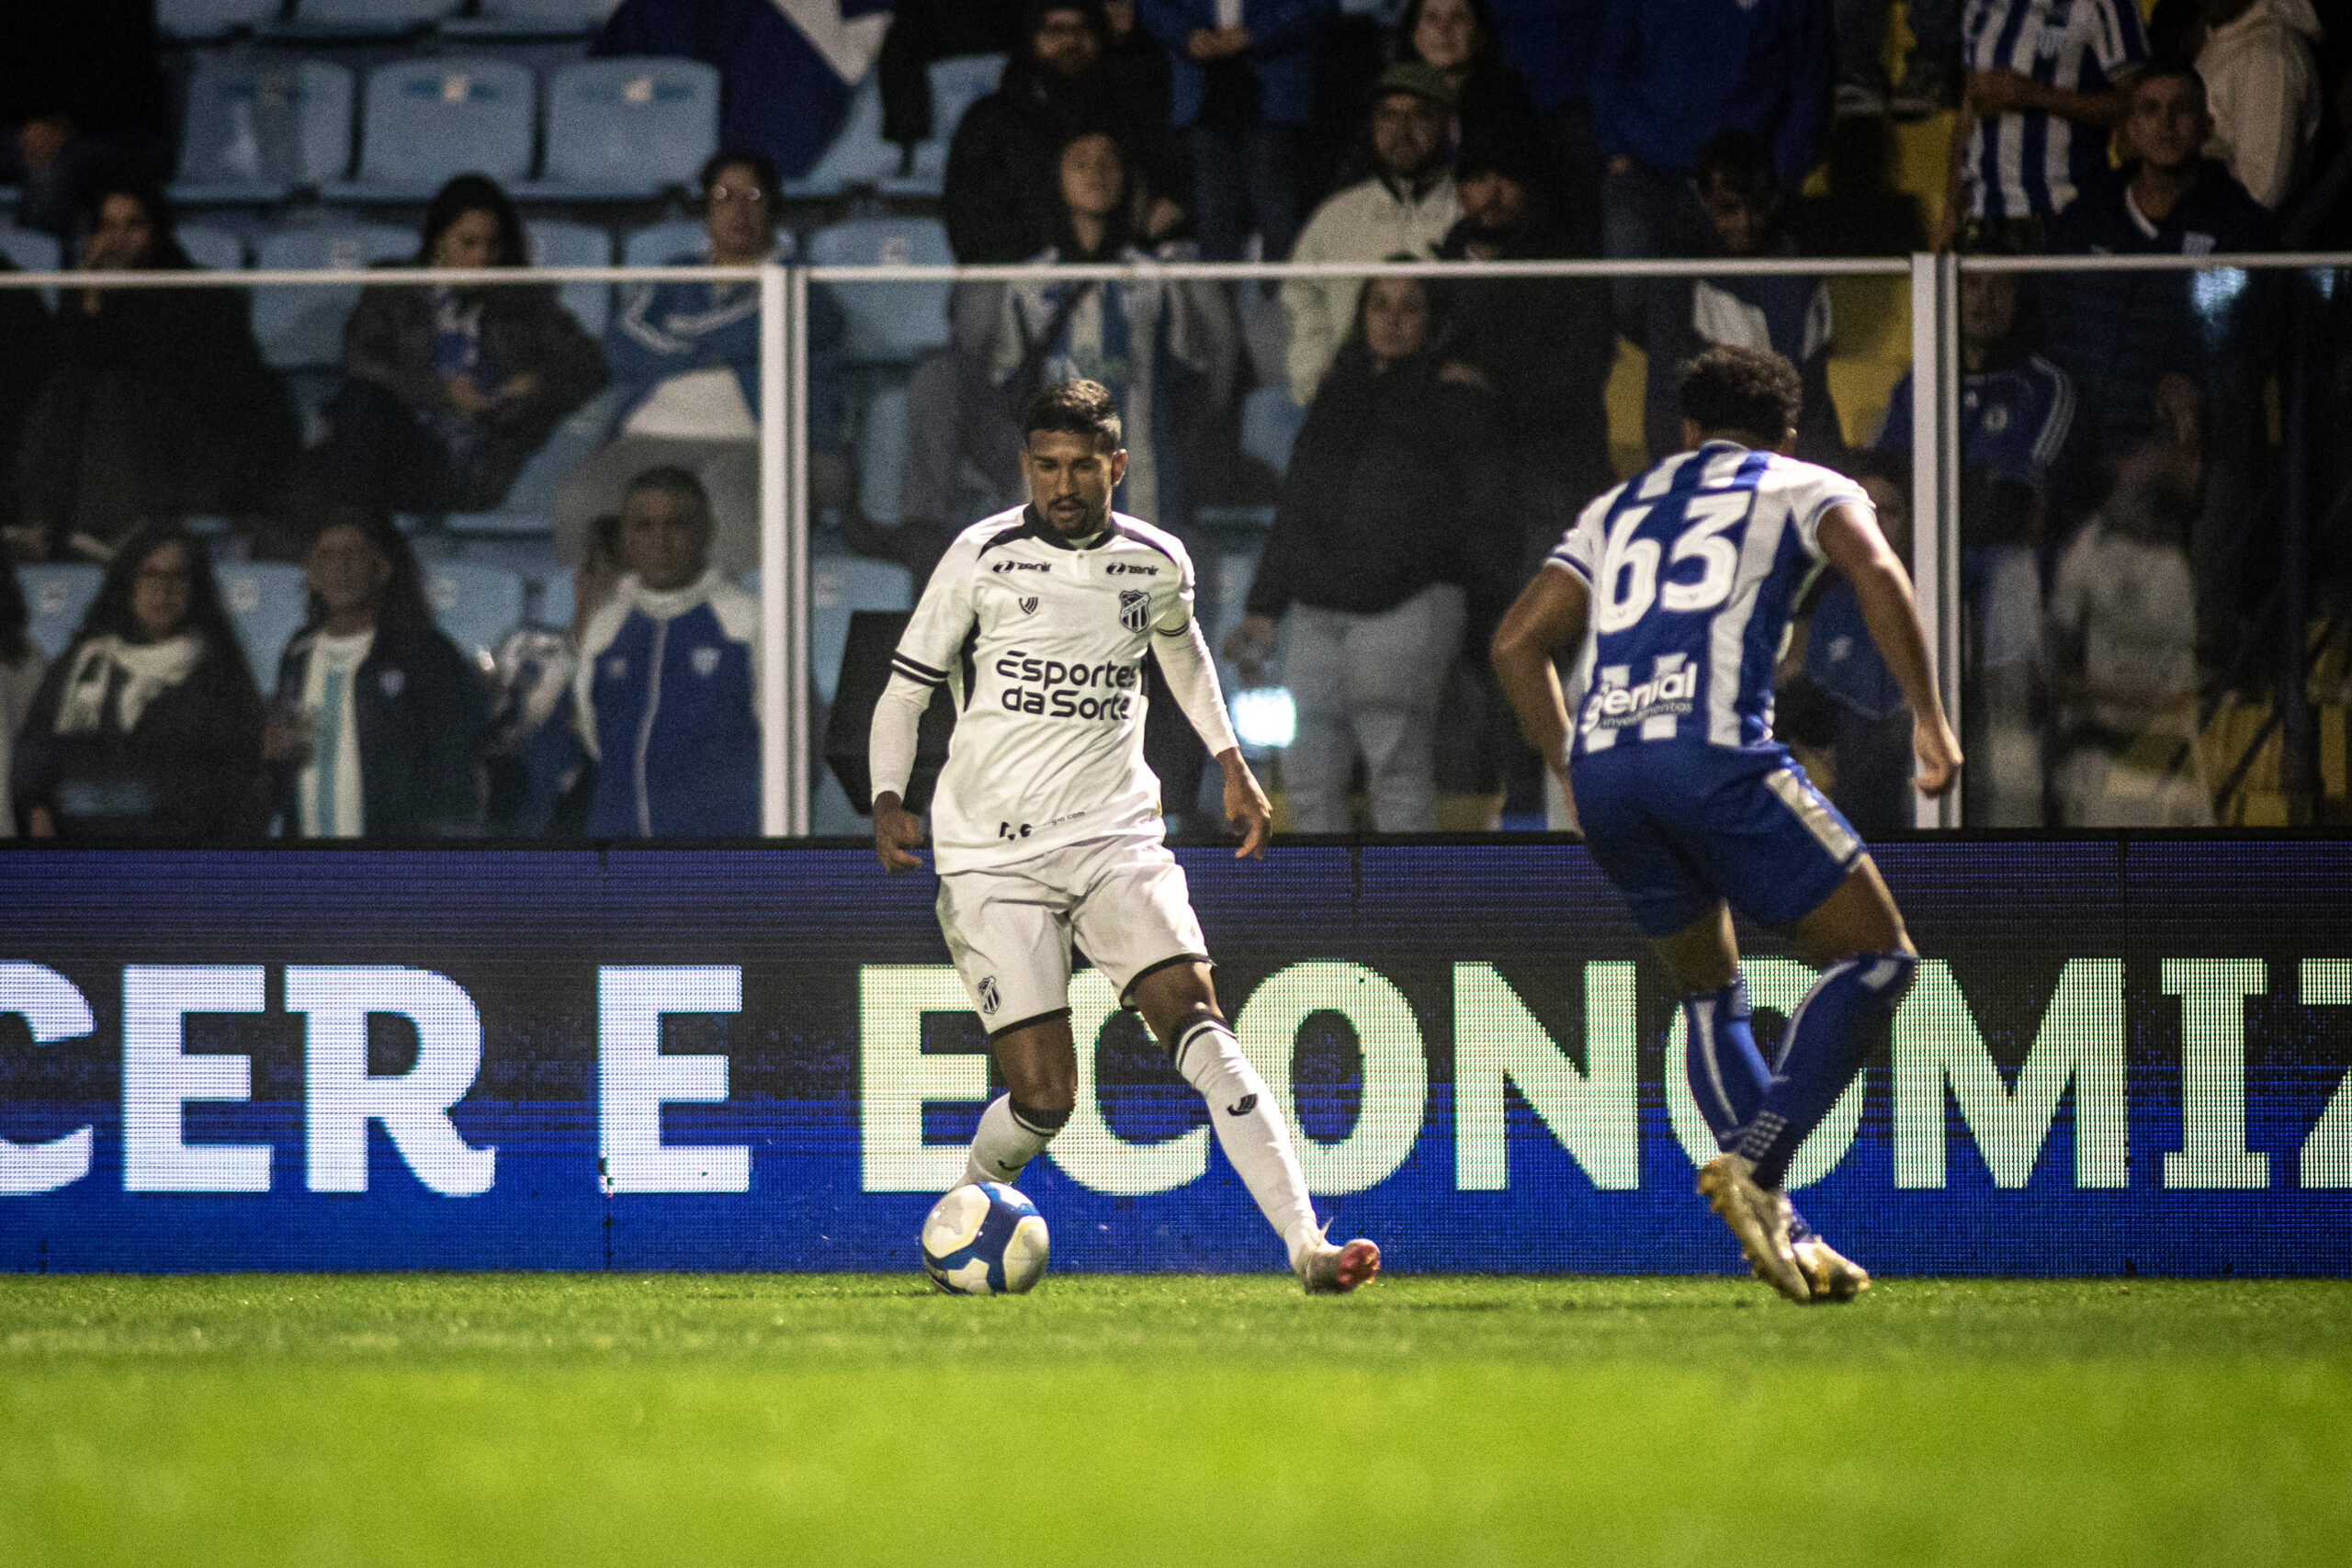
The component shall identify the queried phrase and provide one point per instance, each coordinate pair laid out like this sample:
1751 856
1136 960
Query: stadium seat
370 15
303 326
956 85
1269 425
889 323
426 121
57 597
212 18
627 128
215 250
857 155
558 243
554 605
266 602
528 508
533 19
882 456
30 250
839 585
476 605
259 126
665 243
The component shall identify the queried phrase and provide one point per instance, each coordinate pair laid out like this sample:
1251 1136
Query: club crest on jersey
705 661
988 998
1029 604
1134 608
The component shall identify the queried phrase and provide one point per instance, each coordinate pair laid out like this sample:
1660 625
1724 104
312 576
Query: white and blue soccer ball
984 1240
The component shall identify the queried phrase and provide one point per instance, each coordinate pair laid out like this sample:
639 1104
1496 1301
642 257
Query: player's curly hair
1750 390
1075 408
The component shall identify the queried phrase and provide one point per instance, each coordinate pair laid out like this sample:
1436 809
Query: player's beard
1085 521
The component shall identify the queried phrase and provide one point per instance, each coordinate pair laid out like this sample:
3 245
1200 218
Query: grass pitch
566 1419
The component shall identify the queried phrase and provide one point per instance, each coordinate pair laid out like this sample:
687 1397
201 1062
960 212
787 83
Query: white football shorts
1124 901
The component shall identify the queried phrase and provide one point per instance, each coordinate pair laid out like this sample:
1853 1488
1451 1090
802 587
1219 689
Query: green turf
701 1419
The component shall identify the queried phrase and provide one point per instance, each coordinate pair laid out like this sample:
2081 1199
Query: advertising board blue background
1443 1015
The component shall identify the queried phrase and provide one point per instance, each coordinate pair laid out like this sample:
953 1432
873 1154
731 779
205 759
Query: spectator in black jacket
1003 197
148 727
1386 521
81 101
1545 344
157 405
447 390
381 724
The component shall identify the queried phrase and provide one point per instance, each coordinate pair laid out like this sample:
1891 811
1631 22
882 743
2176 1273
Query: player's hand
898 833
1246 811
1938 750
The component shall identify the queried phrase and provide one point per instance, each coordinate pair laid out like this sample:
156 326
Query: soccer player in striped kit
1677 586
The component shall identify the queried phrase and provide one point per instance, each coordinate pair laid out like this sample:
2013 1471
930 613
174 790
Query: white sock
1249 1129
1005 1143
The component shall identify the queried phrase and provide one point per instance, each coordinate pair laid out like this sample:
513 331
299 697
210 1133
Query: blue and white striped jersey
1694 569
2036 163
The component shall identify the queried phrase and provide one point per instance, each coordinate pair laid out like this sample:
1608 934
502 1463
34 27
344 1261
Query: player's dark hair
1738 160
679 484
1075 408
1750 391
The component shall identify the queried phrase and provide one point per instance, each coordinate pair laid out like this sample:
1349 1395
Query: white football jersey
1040 644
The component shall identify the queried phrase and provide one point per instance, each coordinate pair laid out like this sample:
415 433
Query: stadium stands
558 243
303 326
216 250
899 323
426 121
838 587
266 602
368 16
214 18
532 19
260 126
882 455
30 250
628 128
527 510
476 605
56 596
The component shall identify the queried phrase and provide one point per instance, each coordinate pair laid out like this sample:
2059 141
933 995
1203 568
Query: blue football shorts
1676 826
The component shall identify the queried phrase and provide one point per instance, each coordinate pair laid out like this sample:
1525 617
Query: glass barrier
2151 486
1365 465
325 552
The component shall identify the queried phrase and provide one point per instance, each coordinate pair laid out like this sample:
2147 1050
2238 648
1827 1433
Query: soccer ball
985 1239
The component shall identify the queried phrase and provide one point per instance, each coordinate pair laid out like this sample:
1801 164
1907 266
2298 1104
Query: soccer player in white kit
1046 822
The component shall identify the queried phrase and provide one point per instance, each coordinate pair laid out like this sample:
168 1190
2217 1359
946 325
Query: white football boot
1760 1217
1327 1270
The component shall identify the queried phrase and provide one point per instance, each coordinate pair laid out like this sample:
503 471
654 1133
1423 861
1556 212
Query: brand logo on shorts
1134 608
1249 1103
989 998
1029 605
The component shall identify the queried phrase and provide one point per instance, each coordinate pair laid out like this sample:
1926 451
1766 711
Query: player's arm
917 669
1192 677
1548 615
1850 541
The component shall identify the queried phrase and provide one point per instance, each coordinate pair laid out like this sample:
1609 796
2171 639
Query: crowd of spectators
2113 424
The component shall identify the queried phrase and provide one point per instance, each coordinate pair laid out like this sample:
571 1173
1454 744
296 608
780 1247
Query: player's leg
1855 937
1179 1002
1010 941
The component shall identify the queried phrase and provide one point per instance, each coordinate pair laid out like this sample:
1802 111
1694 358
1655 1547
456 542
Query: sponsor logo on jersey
1029 605
1052 689
1023 566
988 998
1122 569
1672 690
1134 608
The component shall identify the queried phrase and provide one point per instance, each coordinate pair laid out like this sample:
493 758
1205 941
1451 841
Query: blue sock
1727 1073
1833 1028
